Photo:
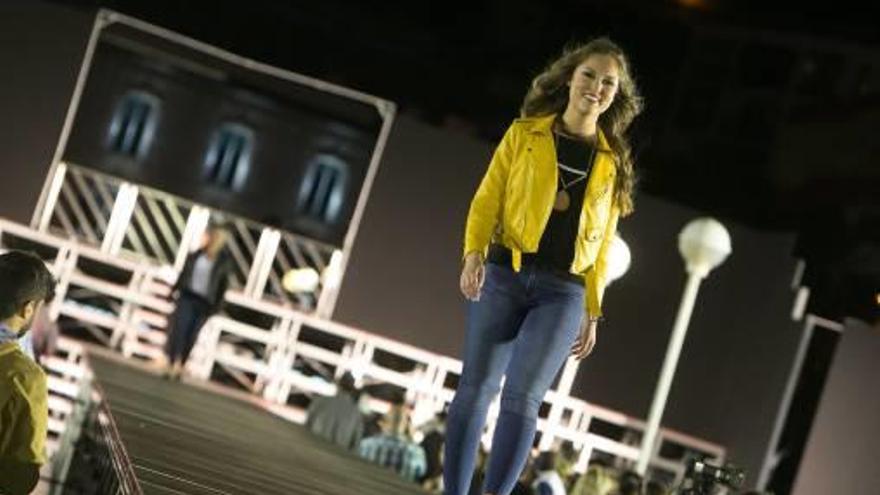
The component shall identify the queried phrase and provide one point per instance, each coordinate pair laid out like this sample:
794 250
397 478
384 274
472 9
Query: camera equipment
703 478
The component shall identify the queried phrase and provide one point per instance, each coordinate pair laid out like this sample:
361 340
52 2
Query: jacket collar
7 335
544 125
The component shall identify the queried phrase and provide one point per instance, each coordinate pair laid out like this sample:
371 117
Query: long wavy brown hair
548 94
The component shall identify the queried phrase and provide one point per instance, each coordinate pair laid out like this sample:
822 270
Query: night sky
758 114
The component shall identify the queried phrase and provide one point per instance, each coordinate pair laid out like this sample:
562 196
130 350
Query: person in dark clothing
432 443
199 292
655 487
630 483
338 418
394 448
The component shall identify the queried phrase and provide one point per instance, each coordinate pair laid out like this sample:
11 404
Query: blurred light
301 280
694 4
619 259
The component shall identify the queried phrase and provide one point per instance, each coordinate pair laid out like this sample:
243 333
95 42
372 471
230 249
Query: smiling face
593 85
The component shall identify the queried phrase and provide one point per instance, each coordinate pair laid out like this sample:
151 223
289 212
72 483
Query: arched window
228 160
323 189
134 123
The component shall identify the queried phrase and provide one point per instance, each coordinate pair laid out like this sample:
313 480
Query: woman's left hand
586 340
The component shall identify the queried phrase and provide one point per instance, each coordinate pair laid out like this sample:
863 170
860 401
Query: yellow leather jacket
515 199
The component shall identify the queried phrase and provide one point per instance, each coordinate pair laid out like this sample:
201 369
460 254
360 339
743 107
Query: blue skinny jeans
523 326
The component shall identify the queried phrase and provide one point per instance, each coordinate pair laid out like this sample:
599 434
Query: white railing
265 359
138 222
65 372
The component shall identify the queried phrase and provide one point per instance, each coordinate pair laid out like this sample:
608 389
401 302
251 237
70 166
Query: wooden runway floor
185 439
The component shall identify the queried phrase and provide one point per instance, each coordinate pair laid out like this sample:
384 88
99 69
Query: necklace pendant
563 201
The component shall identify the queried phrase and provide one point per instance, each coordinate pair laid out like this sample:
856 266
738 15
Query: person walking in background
25 286
536 253
199 293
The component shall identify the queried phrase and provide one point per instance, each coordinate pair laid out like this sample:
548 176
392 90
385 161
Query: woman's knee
475 395
519 403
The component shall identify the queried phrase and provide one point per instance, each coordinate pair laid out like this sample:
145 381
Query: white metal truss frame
158 226
810 323
261 269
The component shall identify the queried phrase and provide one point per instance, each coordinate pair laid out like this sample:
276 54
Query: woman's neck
578 124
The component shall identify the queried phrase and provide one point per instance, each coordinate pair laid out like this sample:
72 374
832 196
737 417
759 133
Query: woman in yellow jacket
535 254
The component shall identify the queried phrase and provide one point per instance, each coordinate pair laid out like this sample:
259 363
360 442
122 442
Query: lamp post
704 244
619 259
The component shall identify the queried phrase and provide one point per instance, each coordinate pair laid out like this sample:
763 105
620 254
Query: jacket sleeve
33 418
185 273
595 277
222 287
486 206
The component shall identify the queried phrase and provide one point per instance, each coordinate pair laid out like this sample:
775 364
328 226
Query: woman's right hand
472 275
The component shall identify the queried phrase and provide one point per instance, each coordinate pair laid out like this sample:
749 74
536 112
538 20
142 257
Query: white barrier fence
272 350
120 218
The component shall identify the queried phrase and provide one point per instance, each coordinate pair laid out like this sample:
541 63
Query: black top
556 250
220 273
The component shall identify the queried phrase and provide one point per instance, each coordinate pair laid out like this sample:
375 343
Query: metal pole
770 457
673 351
50 197
49 194
327 299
